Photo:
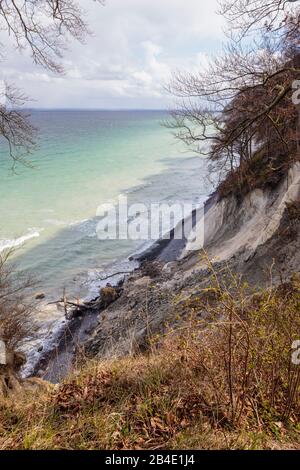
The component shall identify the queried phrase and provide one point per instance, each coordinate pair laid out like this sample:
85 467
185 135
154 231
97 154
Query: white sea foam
51 318
113 274
51 323
78 222
55 222
13 243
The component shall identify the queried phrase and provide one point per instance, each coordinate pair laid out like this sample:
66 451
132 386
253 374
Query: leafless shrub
253 16
44 27
244 350
15 126
16 306
239 110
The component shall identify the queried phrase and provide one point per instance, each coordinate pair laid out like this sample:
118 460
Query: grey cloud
134 48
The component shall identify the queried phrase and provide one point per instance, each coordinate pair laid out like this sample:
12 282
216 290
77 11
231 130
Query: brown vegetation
16 322
239 110
16 307
226 381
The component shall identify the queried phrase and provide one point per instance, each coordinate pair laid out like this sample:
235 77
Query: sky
135 47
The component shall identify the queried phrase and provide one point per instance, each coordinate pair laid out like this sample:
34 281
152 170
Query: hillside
194 353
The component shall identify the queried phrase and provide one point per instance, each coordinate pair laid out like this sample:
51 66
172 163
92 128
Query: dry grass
16 305
226 382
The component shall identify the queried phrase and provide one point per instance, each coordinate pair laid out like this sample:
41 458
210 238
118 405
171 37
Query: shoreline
86 284
57 361
167 249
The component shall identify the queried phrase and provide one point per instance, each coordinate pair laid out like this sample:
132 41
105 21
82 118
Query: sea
86 159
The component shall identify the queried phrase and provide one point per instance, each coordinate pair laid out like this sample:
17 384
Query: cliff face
252 237
173 310
233 227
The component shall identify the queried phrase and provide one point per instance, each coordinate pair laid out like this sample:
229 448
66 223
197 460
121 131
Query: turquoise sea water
85 159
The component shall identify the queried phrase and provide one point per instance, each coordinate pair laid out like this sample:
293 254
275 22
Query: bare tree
15 126
44 27
239 109
254 16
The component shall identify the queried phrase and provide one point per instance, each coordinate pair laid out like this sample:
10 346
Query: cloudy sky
135 46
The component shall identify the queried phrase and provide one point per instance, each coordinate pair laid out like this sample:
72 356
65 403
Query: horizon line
93 109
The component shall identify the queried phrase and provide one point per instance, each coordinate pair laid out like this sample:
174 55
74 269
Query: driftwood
79 306
108 295
113 275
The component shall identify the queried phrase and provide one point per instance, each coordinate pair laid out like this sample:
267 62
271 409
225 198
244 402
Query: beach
57 359
86 160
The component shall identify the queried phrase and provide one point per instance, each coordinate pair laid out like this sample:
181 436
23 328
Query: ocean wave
78 222
55 222
50 330
13 243
138 187
114 273
87 227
